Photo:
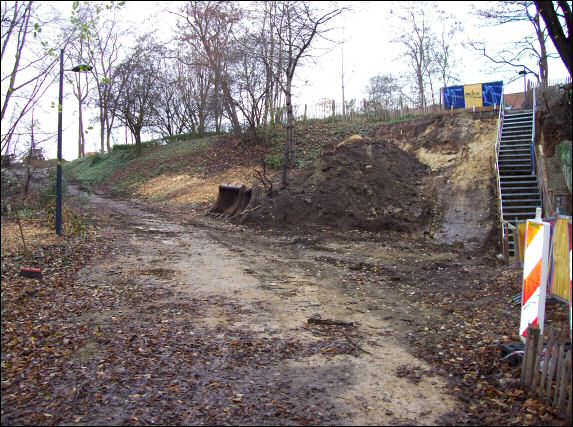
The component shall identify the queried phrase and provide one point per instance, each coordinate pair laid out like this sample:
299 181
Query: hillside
188 173
432 174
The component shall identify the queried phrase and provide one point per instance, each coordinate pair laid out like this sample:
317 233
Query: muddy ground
198 321
174 317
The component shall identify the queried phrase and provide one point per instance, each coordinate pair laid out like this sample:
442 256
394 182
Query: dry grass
36 234
185 189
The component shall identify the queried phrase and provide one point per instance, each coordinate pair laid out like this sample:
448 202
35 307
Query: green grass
154 161
122 168
96 169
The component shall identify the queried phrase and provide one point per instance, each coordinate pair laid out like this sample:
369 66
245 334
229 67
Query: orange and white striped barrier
535 273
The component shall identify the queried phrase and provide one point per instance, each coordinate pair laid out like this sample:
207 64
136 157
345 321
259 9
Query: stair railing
533 153
497 148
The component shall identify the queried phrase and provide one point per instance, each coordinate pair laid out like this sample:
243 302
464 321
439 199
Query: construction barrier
535 274
560 263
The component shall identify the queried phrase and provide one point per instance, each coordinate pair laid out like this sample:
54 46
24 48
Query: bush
73 222
120 147
47 195
274 161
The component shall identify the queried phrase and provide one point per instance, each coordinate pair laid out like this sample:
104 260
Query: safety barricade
560 282
535 274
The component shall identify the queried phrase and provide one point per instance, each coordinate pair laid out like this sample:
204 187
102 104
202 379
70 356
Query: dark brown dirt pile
361 184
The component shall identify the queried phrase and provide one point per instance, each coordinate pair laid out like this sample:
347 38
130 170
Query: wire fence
330 109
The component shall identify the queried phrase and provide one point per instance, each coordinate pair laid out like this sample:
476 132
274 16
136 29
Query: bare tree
518 52
444 59
556 24
103 42
383 92
167 108
136 79
297 24
28 58
209 27
251 82
418 40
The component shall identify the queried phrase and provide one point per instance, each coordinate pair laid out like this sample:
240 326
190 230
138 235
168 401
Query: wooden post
506 243
565 379
533 336
548 346
538 352
559 367
552 360
569 405
526 358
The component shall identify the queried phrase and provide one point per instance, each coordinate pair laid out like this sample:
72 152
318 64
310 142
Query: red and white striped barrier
535 273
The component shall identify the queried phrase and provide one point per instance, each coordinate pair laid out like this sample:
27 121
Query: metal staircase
518 187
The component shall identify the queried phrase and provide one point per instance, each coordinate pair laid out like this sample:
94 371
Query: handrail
497 148
533 153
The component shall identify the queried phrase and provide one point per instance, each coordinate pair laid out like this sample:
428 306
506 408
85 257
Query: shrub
274 161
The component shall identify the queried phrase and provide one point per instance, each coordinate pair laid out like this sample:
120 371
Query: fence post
532 348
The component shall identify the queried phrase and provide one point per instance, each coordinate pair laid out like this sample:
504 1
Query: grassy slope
210 157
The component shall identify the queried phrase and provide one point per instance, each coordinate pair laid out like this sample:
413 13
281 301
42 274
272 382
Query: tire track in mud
217 324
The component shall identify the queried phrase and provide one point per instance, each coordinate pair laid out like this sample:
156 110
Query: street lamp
76 69
524 73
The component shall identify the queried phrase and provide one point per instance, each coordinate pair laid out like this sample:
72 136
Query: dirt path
201 324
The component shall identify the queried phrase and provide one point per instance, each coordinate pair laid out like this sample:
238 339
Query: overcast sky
365 35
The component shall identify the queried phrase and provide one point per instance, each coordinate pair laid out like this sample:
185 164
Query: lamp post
524 73
76 69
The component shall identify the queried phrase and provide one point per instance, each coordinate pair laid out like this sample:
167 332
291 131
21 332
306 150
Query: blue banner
456 96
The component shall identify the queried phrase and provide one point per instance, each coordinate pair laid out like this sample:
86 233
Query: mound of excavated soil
460 150
361 184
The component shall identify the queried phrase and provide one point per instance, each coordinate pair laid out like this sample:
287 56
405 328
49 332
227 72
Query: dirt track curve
208 324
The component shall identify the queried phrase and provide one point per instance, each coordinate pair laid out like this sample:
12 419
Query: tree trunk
137 134
562 43
81 135
288 153
102 129
231 110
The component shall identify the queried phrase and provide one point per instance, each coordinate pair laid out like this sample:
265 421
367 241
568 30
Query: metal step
518 216
516 129
529 185
512 169
514 161
517 123
520 208
521 196
518 181
512 142
519 158
517 126
515 147
525 178
521 113
520 190
513 155
514 138
513 205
